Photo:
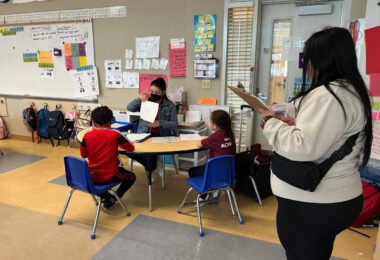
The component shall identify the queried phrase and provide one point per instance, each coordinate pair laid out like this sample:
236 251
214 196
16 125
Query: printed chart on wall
204 32
57 61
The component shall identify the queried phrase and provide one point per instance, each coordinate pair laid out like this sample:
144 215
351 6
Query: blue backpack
42 124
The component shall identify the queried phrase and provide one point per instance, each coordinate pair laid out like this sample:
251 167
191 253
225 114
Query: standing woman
165 124
336 107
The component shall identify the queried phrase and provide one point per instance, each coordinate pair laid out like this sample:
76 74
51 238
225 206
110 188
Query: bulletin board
33 61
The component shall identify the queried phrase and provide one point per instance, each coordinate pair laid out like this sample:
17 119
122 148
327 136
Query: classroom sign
204 32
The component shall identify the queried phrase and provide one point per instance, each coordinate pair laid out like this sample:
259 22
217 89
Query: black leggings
308 230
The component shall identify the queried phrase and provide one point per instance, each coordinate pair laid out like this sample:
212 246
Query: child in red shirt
221 142
101 146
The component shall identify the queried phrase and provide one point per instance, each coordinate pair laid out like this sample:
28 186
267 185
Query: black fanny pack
307 175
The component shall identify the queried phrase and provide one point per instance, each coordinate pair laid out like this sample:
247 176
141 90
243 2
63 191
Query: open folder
252 100
137 138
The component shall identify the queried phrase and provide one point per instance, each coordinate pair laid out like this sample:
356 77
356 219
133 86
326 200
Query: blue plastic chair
78 177
219 175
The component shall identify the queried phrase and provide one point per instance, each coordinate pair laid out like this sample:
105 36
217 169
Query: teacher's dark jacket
167 117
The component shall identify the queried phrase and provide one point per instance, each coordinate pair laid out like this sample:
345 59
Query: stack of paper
190 137
165 139
136 138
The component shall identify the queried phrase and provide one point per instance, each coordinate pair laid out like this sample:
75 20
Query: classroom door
281 42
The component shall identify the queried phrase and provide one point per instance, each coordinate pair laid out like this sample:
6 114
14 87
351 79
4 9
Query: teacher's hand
267 112
155 124
143 97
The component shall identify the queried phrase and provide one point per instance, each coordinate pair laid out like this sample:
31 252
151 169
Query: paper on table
165 139
146 64
135 138
138 64
193 116
116 125
190 137
252 100
149 111
128 64
163 63
155 64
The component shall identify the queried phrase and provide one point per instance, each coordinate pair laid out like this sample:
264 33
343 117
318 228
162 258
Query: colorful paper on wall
82 49
372 39
82 61
69 62
74 49
177 61
76 62
30 57
84 68
204 32
375 105
45 57
67 48
375 116
374 85
208 101
146 79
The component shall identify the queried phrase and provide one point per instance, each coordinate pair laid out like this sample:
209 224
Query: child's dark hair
223 120
161 84
102 115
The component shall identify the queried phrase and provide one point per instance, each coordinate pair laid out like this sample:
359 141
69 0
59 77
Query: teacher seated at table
165 124
166 120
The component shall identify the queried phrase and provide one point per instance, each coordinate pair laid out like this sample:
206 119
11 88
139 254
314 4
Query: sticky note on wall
67 48
208 101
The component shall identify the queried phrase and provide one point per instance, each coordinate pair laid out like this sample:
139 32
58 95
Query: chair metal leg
199 217
163 172
175 164
236 205
229 198
131 165
96 220
256 190
96 202
184 200
121 202
65 207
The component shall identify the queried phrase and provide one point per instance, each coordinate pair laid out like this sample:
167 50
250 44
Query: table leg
175 164
163 172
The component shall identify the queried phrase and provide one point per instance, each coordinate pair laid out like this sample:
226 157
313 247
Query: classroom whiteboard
24 78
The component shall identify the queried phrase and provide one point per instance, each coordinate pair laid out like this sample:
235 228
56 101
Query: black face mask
154 97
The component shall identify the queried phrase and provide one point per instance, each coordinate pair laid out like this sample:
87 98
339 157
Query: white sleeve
320 123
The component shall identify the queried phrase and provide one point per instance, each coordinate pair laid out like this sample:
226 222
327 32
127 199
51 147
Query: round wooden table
147 148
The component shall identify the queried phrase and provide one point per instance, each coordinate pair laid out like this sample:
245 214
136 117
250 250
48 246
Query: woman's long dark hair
223 120
161 84
329 55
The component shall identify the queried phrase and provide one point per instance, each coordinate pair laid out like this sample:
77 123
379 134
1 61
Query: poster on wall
177 61
204 32
147 47
146 79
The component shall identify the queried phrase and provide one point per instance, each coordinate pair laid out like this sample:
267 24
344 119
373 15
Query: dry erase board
34 62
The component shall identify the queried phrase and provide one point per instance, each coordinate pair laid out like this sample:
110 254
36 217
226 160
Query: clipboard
252 100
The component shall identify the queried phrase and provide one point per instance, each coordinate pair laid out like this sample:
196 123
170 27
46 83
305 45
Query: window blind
238 63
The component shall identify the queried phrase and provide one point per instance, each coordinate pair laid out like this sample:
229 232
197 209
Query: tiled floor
30 206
